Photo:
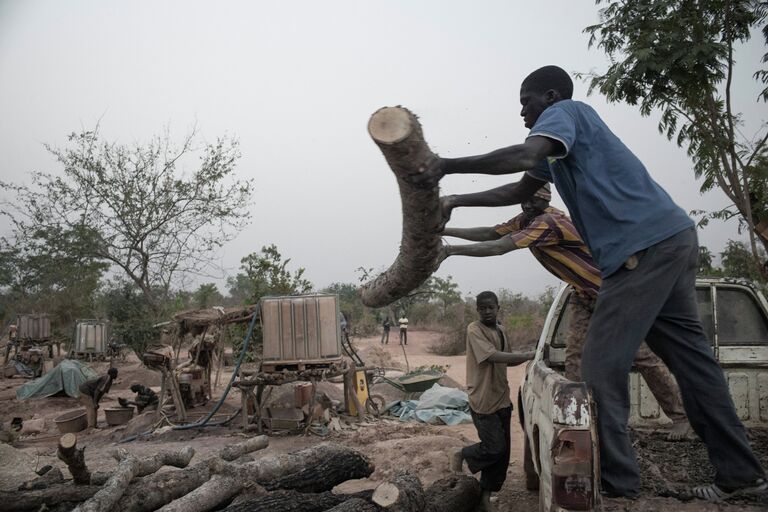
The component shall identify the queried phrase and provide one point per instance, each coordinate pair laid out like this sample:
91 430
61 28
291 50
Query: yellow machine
360 389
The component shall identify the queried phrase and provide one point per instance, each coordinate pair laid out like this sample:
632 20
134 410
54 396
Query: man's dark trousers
656 301
491 454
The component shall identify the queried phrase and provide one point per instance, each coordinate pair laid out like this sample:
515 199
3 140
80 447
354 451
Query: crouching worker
91 392
145 398
489 403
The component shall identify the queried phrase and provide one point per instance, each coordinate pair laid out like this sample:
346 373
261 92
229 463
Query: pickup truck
560 446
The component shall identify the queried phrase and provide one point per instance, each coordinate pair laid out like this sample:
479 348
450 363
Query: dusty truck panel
560 439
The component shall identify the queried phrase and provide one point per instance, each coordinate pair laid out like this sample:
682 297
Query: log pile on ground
299 482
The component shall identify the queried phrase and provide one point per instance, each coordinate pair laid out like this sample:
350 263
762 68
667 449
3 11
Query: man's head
112 372
487 308
536 204
136 387
541 89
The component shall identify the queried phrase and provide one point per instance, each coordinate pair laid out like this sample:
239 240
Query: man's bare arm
475 234
482 249
509 160
511 358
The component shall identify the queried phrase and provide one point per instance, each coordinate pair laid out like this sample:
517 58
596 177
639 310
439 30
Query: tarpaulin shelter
65 377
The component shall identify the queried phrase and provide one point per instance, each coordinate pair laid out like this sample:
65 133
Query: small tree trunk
128 468
219 489
235 451
457 493
401 494
398 134
73 457
154 491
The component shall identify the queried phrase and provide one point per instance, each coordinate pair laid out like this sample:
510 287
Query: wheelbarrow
414 382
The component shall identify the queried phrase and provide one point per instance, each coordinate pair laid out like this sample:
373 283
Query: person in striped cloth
554 241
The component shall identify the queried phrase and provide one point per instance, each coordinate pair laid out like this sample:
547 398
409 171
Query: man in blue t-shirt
646 249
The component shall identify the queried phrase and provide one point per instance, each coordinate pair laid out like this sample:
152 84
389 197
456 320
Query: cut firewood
403 493
356 505
457 493
219 489
291 501
73 457
128 468
235 451
398 134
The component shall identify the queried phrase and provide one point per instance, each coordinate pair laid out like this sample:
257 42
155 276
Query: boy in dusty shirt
489 403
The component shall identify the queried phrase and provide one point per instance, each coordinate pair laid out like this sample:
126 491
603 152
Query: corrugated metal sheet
35 327
301 328
91 336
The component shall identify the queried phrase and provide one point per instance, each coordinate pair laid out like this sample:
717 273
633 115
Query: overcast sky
295 82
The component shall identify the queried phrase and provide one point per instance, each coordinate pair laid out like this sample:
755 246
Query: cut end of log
385 494
390 125
68 441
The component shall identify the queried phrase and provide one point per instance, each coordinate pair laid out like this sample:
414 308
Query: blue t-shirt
613 201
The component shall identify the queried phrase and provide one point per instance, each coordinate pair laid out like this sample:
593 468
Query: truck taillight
572 476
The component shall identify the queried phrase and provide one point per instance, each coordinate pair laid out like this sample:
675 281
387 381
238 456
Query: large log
315 469
398 134
216 491
403 493
22 501
356 505
291 501
160 489
457 493
128 468
73 457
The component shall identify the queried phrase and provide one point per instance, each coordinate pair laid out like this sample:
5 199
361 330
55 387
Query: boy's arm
483 234
511 358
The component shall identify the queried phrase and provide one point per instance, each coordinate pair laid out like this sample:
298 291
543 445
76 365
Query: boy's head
487 308
541 89
112 372
136 388
536 204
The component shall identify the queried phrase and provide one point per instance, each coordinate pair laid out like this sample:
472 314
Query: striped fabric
554 241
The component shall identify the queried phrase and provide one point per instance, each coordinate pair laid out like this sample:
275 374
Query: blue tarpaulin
438 404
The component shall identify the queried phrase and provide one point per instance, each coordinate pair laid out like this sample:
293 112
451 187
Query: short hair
550 77
487 295
112 372
136 388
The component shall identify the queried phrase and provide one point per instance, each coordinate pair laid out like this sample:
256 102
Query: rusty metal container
35 327
90 337
301 330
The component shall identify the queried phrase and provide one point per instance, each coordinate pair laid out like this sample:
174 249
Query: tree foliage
266 273
676 57
144 215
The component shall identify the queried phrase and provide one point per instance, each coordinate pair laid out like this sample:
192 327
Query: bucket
72 421
118 415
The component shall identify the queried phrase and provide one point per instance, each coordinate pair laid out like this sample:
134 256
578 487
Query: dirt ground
392 445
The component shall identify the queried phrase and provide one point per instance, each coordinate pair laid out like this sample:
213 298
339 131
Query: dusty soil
391 444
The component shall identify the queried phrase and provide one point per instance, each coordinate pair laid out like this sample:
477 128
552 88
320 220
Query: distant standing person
91 392
489 402
385 331
403 321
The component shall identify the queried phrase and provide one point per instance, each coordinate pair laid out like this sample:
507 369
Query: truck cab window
739 319
706 313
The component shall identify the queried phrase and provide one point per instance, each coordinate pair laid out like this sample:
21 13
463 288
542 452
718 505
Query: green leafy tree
206 296
677 57
706 267
131 315
737 261
266 273
147 217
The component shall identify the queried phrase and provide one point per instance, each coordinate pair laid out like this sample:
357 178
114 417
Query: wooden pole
73 457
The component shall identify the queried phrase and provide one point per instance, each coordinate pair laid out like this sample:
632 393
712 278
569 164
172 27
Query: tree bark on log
356 505
403 493
232 452
73 457
292 501
315 469
219 489
22 501
128 468
398 134
457 493
152 492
